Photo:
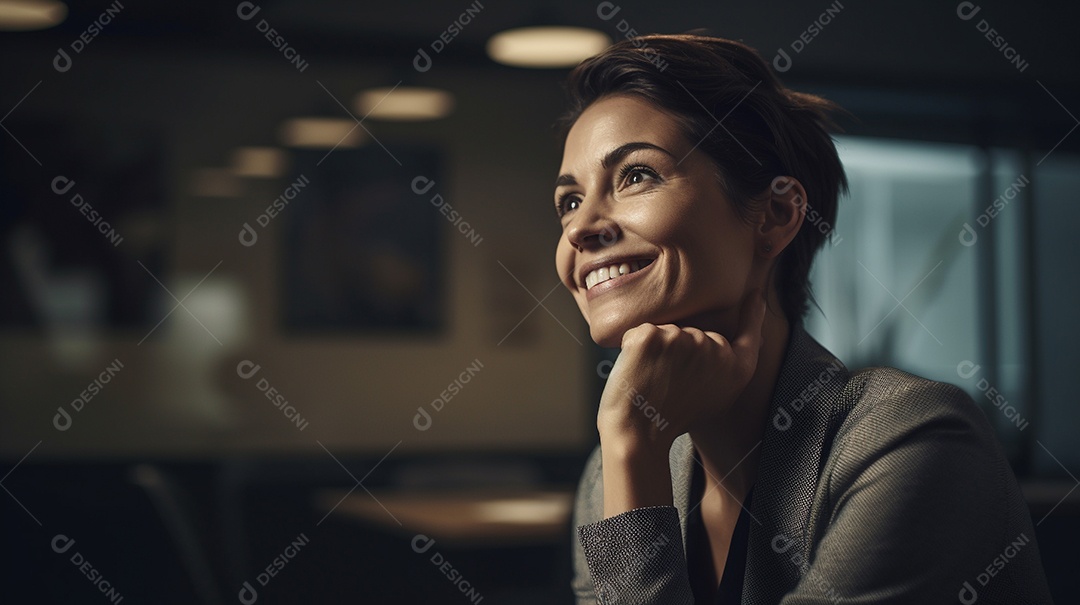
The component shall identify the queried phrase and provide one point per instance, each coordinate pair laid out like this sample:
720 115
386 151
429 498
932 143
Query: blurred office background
268 328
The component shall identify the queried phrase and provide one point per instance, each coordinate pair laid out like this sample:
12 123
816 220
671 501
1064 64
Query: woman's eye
567 203
636 175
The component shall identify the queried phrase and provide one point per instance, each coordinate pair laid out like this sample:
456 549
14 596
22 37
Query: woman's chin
608 342
609 335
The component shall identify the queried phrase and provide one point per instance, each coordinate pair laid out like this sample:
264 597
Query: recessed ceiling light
325 133
259 162
404 103
546 46
27 15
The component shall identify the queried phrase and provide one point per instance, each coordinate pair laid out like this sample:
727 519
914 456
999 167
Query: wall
179 392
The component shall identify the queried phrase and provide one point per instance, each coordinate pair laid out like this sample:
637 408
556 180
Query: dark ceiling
921 41
881 53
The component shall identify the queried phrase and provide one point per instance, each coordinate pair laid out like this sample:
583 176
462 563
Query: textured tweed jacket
873 487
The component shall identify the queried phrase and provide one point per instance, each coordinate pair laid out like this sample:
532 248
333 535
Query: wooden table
462 518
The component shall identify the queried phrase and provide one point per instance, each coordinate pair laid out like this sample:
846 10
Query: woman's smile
612 274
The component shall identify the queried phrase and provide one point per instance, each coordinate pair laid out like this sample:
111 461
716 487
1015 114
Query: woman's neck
729 445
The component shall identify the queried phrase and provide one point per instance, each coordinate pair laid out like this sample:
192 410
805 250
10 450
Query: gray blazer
873 487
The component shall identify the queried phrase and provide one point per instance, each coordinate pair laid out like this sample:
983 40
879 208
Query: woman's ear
782 215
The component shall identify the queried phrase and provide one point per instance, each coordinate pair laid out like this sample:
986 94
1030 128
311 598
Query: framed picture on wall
362 252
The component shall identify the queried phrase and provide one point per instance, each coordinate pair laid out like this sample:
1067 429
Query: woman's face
648 233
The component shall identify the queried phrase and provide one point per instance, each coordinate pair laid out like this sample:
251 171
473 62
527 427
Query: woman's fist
667 379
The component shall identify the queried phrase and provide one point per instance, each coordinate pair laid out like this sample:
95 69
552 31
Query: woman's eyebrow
612 157
620 152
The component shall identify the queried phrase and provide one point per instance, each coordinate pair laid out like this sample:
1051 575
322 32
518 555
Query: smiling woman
683 197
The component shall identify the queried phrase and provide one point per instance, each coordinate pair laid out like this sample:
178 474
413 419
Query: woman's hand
666 380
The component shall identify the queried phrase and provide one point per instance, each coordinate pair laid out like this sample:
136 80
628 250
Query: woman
739 461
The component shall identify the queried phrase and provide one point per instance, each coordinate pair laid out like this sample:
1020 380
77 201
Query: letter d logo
422 184
607 10
603 369
422 420
781 66
781 184
247 236
246 369
421 66
781 544
62 184
61 543
967 594
967 369
62 62
967 236
247 10
782 420
422 543
248 595
62 420
965 12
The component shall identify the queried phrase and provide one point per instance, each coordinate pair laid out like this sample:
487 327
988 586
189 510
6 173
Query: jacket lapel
682 463
806 399
801 412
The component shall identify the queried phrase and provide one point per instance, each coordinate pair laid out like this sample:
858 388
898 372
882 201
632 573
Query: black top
699 556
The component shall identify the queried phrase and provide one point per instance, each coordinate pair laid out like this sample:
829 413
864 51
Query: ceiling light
326 133
215 182
259 162
27 15
404 103
546 46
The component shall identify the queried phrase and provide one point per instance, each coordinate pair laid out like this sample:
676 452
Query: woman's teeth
601 275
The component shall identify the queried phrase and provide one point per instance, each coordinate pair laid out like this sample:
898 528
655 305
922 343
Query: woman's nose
591 228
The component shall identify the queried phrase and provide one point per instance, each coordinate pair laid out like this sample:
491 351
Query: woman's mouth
605 278
601 275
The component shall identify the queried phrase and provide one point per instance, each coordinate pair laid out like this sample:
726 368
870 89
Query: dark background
179 482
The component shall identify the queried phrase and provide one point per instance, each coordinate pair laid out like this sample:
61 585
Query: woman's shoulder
889 411
888 400
916 465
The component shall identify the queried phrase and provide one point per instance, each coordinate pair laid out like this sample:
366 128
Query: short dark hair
765 130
